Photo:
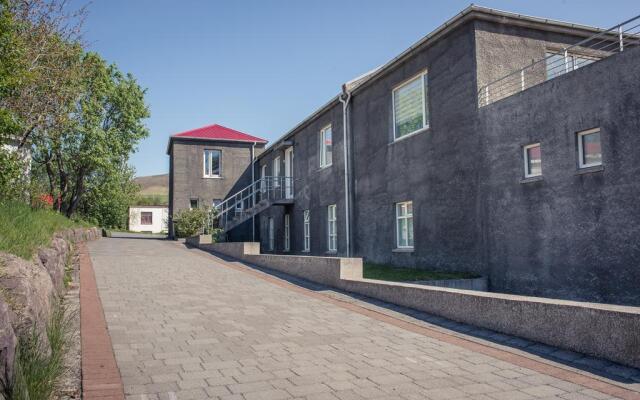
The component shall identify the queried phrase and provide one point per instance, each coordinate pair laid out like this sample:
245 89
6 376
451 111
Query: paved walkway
187 325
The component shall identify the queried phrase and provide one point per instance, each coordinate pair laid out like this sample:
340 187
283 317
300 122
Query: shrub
190 222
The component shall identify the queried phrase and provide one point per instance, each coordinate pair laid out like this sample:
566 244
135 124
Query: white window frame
581 136
276 171
263 174
323 147
332 229
271 234
287 232
425 120
208 174
526 160
307 231
404 217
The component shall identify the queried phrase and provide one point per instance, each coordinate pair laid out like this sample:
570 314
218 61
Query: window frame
150 215
580 138
306 231
425 107
275 170
207 174
526 160
287 232
404 217
324 163
191 207
271 235
332 234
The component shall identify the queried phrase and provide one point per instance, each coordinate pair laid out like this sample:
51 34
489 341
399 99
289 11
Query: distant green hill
154 190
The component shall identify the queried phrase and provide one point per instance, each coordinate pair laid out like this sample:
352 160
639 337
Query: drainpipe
345 97
253 195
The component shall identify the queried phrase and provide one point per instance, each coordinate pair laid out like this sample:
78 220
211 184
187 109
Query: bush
190 222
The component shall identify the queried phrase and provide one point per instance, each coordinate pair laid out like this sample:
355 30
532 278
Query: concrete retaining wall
600 330
480 284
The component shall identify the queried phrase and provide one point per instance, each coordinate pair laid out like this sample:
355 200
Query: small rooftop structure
215 132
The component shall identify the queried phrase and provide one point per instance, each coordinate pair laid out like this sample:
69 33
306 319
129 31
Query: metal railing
247 202
597 47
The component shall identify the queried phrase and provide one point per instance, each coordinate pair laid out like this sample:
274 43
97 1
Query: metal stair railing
252 199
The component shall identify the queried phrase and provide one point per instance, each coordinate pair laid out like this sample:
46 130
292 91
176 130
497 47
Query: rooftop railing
594 48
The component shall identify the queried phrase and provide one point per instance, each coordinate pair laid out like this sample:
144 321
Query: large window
212 163
332 229
276 172
410 110
589 148
146 218
287 233
326 147
272 235
404 225
532 160
556 64
307 231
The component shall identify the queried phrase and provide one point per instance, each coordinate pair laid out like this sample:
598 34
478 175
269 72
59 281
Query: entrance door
288 172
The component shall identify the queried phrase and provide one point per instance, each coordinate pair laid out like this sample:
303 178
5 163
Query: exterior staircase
253 199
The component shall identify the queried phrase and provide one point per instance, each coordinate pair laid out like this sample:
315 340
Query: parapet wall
600 330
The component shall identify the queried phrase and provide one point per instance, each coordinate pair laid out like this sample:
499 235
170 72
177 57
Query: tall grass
39 365
23 229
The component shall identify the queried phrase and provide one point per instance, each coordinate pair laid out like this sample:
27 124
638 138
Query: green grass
151 200
23 229
396 274
39 366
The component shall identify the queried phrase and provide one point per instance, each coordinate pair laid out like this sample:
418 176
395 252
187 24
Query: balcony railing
597 47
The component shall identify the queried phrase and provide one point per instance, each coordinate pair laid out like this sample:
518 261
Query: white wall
159 219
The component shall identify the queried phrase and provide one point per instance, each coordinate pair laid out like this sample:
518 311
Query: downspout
345 97
253 195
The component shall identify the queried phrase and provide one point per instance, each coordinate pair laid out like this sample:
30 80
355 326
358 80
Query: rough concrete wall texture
570 235
315 188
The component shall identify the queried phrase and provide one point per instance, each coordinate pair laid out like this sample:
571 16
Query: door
288 172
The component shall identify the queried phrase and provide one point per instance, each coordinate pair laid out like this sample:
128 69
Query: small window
326 147
287 236
532 160
272 237
146 218
410 111
212 163
276 171
589 148
216 202
263 174
404 225
193 204
239 205
332 231
307 231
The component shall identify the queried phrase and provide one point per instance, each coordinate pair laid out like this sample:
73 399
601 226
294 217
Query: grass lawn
23 229
396 274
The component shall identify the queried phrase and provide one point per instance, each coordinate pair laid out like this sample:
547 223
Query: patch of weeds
68 268
398 274
39 364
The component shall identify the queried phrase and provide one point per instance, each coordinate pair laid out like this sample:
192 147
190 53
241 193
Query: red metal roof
219 132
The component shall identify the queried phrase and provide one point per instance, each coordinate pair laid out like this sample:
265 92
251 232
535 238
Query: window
410 111
332 231
404 225
326 147
556 65
146 218
239 205
212 163
193 203
263 174
287 236
532 160
307 231
216 202
589 148
276 172
272 238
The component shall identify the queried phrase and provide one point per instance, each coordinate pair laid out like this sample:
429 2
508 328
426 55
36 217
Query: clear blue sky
262 66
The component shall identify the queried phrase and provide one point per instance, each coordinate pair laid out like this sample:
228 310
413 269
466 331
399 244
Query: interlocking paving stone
188 325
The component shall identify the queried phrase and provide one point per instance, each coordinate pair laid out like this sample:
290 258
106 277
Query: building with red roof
208 163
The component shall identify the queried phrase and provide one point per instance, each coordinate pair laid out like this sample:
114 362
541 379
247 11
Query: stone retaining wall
29 289
600 330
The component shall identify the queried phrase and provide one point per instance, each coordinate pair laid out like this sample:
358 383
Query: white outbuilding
148 218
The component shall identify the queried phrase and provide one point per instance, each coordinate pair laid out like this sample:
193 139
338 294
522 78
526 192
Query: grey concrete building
493 145
207 164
